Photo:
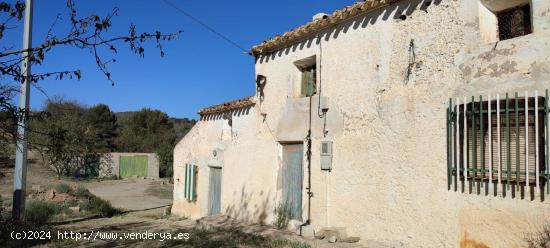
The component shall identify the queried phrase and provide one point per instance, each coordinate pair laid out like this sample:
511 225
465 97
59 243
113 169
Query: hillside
181 125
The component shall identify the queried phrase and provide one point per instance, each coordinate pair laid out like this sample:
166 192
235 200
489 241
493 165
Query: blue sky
199 69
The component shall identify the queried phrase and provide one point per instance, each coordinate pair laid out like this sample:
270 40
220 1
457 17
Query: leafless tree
85 33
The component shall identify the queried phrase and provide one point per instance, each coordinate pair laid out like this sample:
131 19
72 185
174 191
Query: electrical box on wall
323 103
326 155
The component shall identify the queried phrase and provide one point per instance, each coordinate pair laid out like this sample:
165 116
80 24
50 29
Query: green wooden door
215 191
133 166
292 180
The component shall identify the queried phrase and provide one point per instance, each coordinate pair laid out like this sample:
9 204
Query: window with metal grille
514 22
499 145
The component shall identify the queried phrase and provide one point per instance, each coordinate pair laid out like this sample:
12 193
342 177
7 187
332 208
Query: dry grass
231 237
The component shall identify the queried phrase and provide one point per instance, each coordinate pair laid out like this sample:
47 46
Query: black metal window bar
514 22
501 145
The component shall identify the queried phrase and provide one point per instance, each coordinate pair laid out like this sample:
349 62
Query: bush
101 207
40 212
169 170
165 154
299 245
81 192
1 208
280 241
63 188
283 216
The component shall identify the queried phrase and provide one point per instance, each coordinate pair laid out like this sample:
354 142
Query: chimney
319 16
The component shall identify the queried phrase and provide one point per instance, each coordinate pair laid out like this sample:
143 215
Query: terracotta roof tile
227 106
318 25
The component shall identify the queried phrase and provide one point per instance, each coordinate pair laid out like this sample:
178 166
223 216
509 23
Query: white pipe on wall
327 196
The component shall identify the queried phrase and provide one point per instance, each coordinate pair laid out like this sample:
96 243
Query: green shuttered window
190 182
309 86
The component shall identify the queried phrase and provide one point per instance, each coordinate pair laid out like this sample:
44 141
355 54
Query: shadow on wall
400 11
218 116
244 211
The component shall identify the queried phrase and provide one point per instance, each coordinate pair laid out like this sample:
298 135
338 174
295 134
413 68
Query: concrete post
20 174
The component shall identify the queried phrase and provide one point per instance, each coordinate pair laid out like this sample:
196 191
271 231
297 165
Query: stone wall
109 164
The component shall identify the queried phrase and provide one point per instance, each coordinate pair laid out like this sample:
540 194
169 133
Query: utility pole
20 174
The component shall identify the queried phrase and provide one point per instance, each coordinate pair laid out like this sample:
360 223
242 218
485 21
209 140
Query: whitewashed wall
389 179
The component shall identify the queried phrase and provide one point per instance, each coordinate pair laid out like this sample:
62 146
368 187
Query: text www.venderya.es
99 235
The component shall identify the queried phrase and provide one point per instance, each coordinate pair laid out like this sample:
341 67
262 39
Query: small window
514 22
309 81
307 67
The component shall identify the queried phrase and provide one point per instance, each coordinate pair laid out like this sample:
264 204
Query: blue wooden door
215 191
293 176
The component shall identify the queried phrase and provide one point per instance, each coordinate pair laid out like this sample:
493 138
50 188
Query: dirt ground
128 194
145 203
152 221
131 194
36 175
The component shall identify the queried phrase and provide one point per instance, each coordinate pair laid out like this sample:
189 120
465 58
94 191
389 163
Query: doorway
292 179
215 191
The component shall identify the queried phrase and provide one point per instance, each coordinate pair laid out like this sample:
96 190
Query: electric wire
219 34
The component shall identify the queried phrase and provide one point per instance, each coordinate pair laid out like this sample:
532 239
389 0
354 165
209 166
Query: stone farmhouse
410 123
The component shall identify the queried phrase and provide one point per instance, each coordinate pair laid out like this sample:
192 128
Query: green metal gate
133 166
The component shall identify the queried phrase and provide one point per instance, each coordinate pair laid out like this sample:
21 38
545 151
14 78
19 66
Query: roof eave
312 28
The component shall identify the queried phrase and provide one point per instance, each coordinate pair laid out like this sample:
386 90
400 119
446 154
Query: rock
75 209
332 239
294 226
320 234
328 232
63 197
37 188
162 182
350 240
50 194
307 231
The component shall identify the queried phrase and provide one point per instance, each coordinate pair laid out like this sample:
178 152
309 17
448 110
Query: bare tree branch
88 32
